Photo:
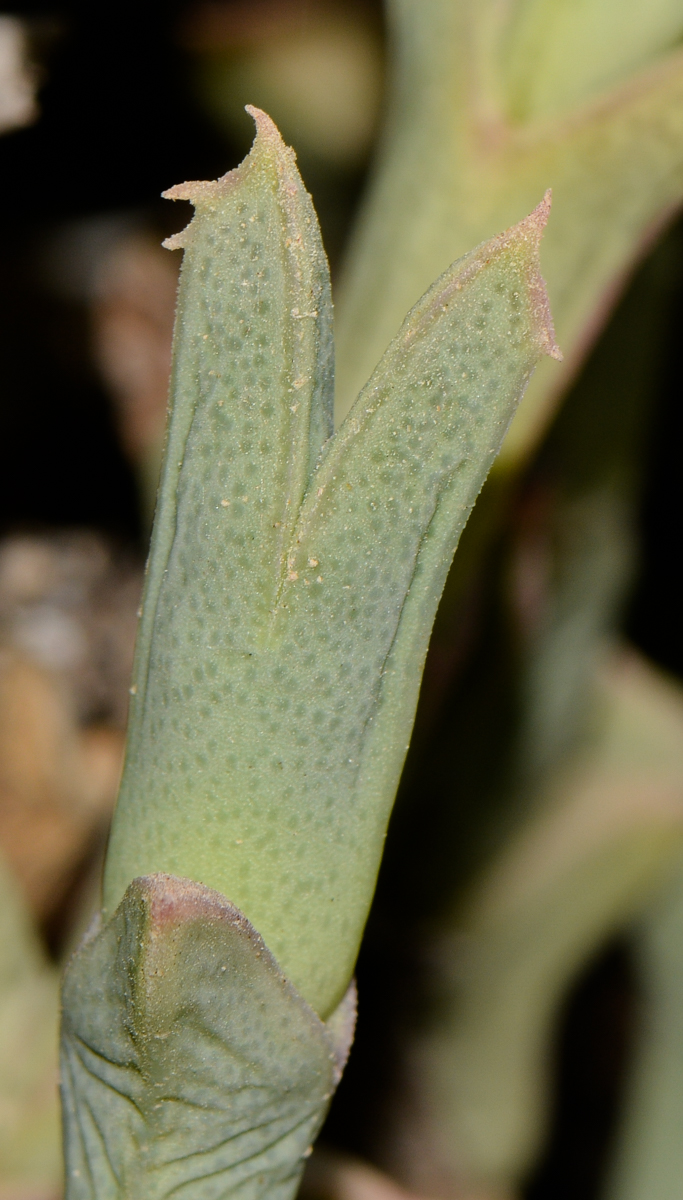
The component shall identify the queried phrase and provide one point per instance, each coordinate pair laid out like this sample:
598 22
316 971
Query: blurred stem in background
649 1158
552 774
524 727
30 1149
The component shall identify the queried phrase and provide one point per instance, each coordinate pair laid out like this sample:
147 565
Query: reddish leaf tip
208 191
531 228
265 125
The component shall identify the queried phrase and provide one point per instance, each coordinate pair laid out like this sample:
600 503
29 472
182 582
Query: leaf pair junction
294 575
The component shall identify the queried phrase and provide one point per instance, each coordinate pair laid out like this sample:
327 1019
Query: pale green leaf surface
190 1066
277 681
556 54
252 387
453 169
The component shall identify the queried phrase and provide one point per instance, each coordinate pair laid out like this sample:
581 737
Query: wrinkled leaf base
190 1066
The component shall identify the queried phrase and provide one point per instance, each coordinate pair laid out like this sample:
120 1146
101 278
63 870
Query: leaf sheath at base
190 1066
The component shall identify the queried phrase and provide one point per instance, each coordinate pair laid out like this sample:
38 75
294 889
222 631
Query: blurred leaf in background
30 1136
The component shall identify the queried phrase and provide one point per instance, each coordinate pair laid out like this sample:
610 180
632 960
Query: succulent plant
292 584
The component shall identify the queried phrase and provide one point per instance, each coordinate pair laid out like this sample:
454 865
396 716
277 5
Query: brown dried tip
205 191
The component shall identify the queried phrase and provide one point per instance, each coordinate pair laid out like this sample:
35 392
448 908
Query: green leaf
190 1067
283 637
252 388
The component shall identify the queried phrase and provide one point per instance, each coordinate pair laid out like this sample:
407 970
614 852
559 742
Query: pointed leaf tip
206 191
265 125
536 223
269 137
530 229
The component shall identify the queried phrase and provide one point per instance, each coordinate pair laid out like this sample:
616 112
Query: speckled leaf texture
190 1067
291 594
